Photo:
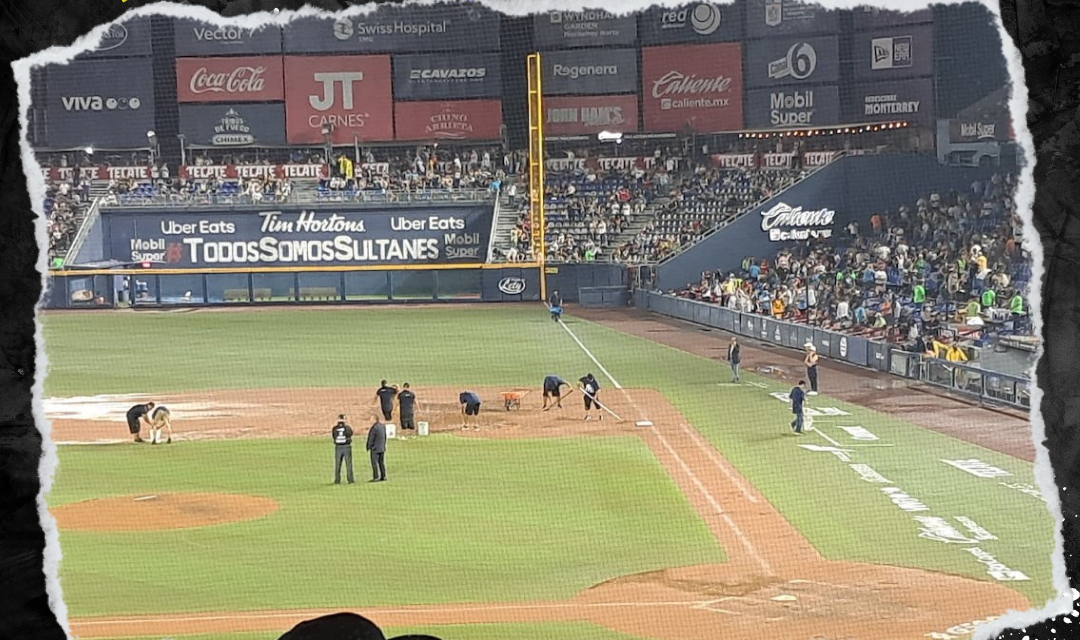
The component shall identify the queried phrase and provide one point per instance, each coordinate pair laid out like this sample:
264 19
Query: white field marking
759 385
89 442
607 373
375 611
689 472
718 461
834 442
145 498
870 445
728 384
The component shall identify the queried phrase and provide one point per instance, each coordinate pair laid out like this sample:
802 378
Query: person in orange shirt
777 307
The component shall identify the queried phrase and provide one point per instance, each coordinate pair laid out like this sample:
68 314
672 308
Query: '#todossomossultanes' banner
350 95
692 86
581 115
449 120
291 236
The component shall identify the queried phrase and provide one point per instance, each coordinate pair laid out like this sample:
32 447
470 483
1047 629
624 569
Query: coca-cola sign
696 87
784 222
254 79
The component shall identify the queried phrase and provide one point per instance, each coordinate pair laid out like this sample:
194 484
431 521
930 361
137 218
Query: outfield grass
844 517
522 631
459 521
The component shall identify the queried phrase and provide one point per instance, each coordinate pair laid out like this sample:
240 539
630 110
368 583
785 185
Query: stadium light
610 136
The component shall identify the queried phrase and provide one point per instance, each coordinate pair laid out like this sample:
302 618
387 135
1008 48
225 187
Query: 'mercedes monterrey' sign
295 237
785 222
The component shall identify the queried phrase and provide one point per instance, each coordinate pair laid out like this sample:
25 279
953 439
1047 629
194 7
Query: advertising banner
451 120
588 28
350 95
695 86
233 125
257 79
906 51
394 29
93 172
130 38
194 38
967 130
601 71
700 22
592 114
447 76
292 237
249 171
793 107
621 163
875 18
910 100
780 61
89 106
766 18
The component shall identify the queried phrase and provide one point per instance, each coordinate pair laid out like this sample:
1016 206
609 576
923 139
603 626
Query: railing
84 228
326 197
987 386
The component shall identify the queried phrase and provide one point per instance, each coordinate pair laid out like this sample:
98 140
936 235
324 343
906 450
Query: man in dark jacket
342 434
734 358
555 304
376 444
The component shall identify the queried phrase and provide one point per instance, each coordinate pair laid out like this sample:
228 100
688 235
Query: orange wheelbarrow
512 399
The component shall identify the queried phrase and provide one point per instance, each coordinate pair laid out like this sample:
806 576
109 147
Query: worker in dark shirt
470 407
385 395
553 385
376 445
798 397
136 416
407 409
590 388
342 434
555 304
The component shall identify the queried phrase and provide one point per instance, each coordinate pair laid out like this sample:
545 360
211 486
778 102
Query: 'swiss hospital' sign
785 222
298 237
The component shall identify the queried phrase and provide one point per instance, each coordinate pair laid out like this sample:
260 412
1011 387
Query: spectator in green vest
989 297
918 295
1016 308
57 263
973 309
590 254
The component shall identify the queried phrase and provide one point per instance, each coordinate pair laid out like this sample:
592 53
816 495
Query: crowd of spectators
952 261
65 206
699 203
586 207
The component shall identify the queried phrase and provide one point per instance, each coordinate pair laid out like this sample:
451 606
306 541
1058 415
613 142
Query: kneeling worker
160 418
470 406
553 389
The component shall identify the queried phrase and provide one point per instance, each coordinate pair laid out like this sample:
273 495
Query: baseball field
900 514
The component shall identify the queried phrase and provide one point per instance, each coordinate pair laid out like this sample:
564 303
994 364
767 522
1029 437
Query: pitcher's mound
161 511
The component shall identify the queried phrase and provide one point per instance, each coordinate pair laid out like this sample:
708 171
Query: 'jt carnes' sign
299 237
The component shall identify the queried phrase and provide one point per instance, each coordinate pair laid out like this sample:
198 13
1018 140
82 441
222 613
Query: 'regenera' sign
784 222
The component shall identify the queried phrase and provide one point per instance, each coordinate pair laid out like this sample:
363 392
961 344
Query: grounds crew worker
136 416
553 389
342 434
376 444
590 388
406 409
385 396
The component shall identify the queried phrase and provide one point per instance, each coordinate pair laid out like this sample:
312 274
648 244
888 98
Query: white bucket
422 428
391 430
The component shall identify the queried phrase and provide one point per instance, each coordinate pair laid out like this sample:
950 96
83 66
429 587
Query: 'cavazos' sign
299 237
512 286
447 76
784 222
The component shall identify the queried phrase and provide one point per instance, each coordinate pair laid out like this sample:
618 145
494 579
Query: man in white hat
811 362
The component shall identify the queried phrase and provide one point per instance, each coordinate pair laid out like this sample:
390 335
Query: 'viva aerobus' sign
784 222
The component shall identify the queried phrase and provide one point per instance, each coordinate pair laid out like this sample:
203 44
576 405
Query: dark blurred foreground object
343 626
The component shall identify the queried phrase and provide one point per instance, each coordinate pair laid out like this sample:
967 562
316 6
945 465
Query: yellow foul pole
536 167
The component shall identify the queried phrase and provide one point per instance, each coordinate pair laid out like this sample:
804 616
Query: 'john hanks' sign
784 222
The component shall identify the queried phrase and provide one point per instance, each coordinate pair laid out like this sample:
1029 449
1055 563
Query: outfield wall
851 188
988 386
155 288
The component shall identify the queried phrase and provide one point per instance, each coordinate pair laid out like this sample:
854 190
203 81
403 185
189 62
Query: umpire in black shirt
342 434
376 444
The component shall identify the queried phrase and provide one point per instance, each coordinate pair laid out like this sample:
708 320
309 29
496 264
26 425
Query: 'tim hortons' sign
299 237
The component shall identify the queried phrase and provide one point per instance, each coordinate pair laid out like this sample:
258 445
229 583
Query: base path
774 579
